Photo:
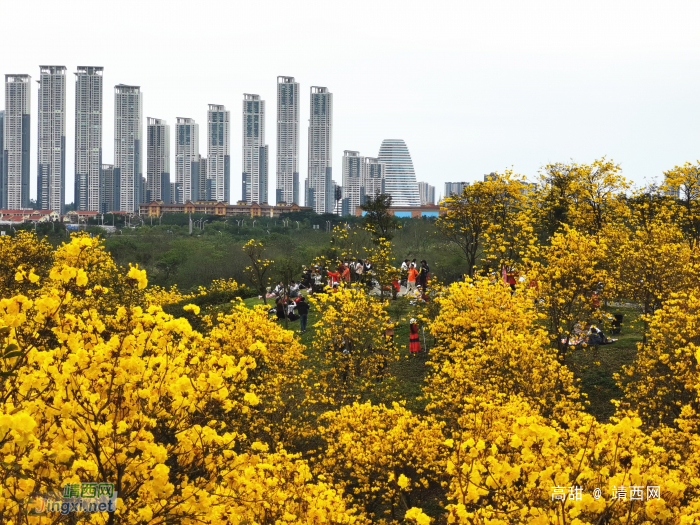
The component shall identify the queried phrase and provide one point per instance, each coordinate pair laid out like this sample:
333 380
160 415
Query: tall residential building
187 165
158 159
427 193
3 182
110 188
203 183
373 178
454 188
218 152
128 145
287 140
16 141
353 192
362 177
51 144
89 187
320 191
255 160
400 177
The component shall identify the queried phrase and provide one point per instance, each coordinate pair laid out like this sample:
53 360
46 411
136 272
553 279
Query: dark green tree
377 217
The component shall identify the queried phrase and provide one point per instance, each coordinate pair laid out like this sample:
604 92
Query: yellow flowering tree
489 342
565 277
349 342
387 458
480 218
259 266
684 183
511 465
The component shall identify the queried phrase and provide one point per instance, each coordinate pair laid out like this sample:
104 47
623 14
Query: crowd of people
291 304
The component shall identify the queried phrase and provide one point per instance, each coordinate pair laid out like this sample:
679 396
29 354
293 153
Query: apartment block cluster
122 185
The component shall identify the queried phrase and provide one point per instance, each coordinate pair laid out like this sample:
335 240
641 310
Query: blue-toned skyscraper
400 177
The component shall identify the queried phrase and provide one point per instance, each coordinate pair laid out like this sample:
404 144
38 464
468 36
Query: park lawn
409 371
594 368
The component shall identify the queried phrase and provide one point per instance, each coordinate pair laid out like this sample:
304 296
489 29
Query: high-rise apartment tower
427 193
89 193
287 140
128 145
363 177
158 160
255 152
320 192
51 146
187 166
219 151
17 141
3 181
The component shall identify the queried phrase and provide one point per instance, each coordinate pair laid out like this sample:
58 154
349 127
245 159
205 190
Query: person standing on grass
404 273
359 267
303 308
424 275
412 275
413 339
346 274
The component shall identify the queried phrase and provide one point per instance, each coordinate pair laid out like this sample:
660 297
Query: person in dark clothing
424 275
303 309
279 306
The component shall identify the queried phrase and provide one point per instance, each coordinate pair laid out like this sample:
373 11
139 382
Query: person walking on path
413 339
303 309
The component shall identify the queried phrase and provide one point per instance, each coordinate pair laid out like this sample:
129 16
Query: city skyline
501 104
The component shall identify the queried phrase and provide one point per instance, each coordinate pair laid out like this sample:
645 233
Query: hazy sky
472 87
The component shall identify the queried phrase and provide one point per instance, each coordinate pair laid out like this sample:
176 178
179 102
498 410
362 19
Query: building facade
51 143
287 140
400 177
219 153
454 188
187 165
17 141
3 181
111 187
203 184
320 194
128 145
158 160
363 177
156 209
373 178
427 193
353 191
255 151
88 184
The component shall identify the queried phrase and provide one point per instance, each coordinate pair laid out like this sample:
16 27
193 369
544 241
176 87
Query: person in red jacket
413 339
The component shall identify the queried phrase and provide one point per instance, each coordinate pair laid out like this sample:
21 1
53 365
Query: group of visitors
413 275
285 307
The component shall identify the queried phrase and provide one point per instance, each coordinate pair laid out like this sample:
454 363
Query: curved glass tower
400 178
